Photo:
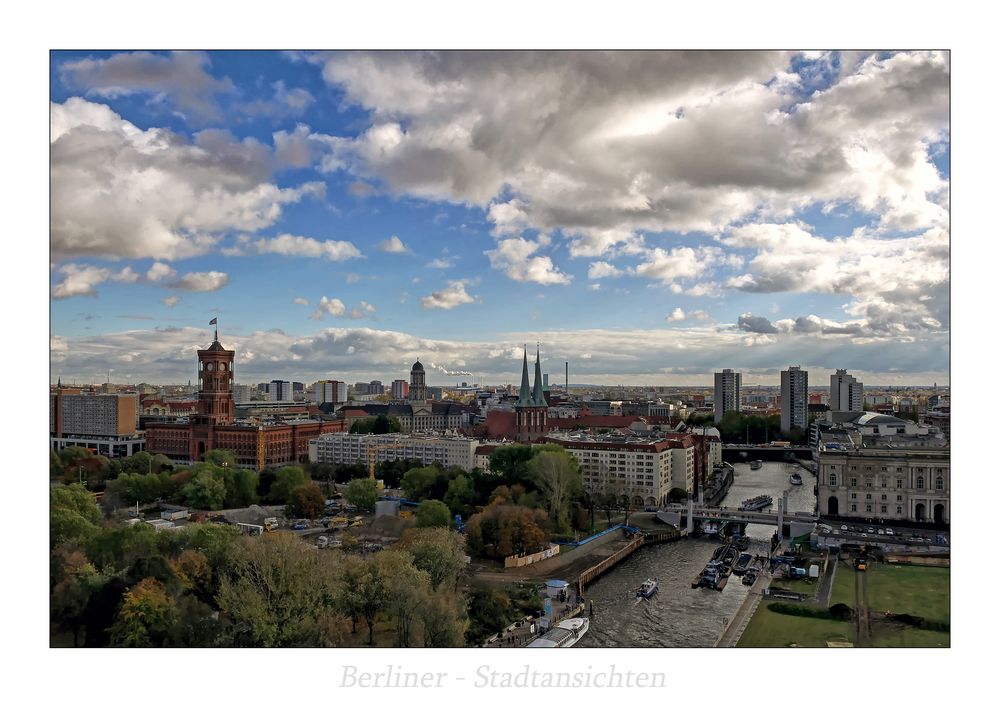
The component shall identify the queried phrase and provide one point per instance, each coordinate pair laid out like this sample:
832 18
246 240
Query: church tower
531 408
418 387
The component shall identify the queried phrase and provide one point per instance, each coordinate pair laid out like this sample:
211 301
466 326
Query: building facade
255 444
727 393
794 399
360 448
333 391
73 412
846 393
418 384
400 390
279 391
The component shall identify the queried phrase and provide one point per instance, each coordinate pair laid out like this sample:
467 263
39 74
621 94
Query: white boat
795 479
564 635
647 589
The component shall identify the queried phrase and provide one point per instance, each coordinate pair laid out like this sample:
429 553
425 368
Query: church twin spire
533 397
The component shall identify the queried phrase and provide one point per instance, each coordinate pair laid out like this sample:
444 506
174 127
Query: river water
679 616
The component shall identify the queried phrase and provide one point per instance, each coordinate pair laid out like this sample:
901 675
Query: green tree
362 494
205 491
421 483
73 515
348 599
557 476
445 621
241 485
510 463
433 513
437 551
306 501
145 617
406 589
381 424
460 496
277 591
74 582
55 465
220 457
287 479
373 596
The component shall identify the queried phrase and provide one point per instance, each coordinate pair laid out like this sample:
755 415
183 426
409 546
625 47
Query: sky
649 217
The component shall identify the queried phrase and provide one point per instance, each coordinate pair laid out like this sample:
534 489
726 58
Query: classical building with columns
879 467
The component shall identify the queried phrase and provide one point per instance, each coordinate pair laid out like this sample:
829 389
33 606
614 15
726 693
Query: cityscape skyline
647 214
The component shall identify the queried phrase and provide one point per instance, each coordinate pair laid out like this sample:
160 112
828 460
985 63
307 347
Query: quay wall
589 575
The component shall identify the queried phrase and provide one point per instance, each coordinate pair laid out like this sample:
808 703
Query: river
679 616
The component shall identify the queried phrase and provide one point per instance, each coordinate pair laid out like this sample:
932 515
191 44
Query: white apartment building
241 393
727 393
794 398
846 393
640 471
279 391
344 448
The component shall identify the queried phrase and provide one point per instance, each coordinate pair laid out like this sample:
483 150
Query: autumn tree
437 551
306 501
75 580
277 591
444 620
503 530
145 617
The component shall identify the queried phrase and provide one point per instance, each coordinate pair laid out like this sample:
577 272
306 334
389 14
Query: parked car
881 531
299 526
871 530
888 531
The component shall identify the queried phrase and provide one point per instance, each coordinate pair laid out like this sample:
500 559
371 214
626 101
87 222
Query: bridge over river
681 516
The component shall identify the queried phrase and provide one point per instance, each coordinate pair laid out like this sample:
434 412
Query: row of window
938 482
884 508
899 469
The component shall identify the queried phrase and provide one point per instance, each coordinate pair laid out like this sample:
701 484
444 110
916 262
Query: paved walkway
566 565
731 635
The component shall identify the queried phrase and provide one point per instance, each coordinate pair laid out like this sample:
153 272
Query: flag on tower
214 321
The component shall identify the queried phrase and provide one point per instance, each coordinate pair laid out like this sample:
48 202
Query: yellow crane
371 456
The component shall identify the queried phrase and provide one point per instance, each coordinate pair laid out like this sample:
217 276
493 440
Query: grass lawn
920 591
843 586
770 630
796 585
909 638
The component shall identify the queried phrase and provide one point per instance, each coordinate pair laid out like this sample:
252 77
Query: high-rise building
400 389
376 387
279 391
846 393
241 393
330 391
794 398
727 392
72 412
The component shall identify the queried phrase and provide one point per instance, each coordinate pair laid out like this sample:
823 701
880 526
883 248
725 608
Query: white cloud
79 281
394 245
329 306
514 258
678 264
441 263
352 278
118 191
290 245
126 275
159 272
180 78
677 315
447 298
201 281
171 301
301 301
363 310
602 269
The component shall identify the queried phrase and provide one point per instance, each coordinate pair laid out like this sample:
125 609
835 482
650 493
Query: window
854 496
899 483
833 479
899 498
854 468
899 510
884 496
868 483
920 482
885 482
854 482
884 509
939 483
854 507
868 507
868 496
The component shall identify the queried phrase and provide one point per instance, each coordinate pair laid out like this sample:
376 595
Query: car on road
881 531
843 528
871 530
888 531
299 526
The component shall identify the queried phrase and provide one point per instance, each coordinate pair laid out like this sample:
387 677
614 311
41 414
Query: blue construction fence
596 536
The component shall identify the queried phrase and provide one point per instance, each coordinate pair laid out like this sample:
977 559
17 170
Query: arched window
920 482
939 483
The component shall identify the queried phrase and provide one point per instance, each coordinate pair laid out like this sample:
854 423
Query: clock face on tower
210 366
222 367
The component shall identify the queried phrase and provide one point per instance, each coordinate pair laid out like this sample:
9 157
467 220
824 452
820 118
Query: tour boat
795 479
757 503
564 635
647 589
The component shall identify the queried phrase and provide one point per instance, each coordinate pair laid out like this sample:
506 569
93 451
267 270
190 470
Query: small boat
566 634
751 576
756 464
742 564
795 479
757 503
646 589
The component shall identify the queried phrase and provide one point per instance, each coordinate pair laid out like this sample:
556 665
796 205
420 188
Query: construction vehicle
270 524
861 564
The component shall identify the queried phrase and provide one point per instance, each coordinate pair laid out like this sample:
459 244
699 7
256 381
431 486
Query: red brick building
214 425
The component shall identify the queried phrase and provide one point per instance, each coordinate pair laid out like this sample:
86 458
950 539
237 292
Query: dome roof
417 366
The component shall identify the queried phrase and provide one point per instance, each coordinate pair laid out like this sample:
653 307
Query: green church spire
524 400
537 396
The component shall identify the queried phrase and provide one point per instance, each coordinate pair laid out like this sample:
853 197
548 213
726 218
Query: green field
770 630
901 589
910 638
843 586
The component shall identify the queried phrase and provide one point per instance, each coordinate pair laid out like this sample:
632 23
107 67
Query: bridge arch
833 506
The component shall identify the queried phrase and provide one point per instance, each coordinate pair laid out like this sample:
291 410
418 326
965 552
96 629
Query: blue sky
651 217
